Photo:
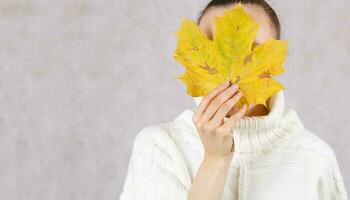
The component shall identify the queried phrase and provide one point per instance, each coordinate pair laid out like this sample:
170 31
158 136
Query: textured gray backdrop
79 79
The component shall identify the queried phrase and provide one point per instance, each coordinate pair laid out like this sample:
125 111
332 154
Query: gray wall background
79 79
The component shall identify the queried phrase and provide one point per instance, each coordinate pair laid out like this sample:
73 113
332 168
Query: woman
270 156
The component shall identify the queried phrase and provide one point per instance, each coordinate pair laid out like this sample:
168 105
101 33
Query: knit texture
275 157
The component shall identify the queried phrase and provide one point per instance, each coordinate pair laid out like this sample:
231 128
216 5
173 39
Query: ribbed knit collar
258 133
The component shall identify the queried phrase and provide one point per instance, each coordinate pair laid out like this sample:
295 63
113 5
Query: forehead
259 15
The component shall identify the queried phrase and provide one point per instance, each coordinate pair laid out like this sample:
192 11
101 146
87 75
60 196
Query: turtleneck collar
254 134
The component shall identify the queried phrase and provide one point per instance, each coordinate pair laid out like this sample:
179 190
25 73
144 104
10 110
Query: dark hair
267 8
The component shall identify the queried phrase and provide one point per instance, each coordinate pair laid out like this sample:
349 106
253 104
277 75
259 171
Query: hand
215 134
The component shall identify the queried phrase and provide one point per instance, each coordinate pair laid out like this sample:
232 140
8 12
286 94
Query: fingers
207 99
225 108
217 102
230 123
232 111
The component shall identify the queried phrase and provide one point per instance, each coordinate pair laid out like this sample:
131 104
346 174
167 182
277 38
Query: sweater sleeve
151 174
331 184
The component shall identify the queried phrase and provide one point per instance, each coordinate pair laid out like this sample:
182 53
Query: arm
210 179
216 136
331 183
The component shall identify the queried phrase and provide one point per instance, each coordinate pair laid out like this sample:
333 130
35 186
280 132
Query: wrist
217 160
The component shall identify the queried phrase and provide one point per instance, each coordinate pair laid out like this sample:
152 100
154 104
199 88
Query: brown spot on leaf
265 74
210 70
247 59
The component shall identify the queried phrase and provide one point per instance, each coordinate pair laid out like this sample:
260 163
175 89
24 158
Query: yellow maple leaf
230 56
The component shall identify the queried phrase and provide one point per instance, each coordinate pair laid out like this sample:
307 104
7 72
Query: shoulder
150 135
164 136
308 140
176 131
309 144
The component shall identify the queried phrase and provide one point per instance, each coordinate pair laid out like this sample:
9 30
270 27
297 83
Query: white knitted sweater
275 158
